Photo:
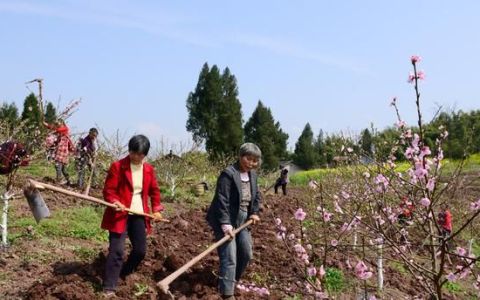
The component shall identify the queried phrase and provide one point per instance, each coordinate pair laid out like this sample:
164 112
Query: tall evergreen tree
31 112
305 155
230 121
9 114
320 149
50 113
215 115
366 141
262 130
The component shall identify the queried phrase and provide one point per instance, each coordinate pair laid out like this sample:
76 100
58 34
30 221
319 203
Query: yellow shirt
137 180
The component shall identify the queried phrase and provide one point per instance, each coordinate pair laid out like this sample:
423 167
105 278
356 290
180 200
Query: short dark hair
93 130
139 144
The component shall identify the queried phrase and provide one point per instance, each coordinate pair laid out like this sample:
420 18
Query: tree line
215 118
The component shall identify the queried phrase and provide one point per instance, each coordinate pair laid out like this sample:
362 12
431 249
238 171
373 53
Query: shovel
163 285
36 202
40 209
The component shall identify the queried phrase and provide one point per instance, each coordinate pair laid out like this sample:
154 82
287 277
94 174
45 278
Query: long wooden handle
163 285
41 185
89 182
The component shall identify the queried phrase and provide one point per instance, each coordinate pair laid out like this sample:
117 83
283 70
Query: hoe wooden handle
163 285
41 185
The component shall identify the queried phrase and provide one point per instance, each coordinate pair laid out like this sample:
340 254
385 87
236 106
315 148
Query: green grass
81 223
334 280
453 287
398 267
472 163
85 253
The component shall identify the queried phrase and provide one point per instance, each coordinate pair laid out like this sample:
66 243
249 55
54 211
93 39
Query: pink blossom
475 205
280 236
411 77
431 184
408 133
361 271
291 236
416 140
321 295
461 251
425 151
337 207
425 201
420 171
409 152
278 221
321 271
334 243
415 59
347 262
283 228
372 297
300 214
346 227
451 277
349 150
345 195
309 247
400 124
327 216
311 271
421 75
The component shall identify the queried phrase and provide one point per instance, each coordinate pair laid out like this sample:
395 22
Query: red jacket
445 220
119 187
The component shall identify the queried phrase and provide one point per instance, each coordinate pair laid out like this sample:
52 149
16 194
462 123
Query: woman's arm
110 193
154 193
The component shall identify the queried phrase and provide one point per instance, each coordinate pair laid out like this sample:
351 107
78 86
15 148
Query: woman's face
248 162
136 158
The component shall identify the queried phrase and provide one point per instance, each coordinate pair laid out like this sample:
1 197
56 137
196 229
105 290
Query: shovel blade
37 204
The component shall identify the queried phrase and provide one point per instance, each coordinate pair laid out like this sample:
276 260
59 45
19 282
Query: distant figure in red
407 208
445 222
63 149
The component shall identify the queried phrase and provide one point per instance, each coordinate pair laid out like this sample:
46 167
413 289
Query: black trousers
284 187
114 267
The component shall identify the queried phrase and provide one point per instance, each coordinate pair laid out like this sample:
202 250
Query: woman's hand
228 230
157 216
255 219
119 206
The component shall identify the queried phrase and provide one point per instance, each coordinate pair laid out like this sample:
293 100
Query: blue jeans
234 256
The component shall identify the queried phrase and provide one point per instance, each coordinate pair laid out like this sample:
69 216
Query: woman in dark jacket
236 200
129 184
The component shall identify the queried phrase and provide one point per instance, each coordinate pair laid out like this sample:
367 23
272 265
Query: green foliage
366 141
453 287
334 280
305 154
9 115
84 253
81 223
31 111
215 114
141 289
50 113
262 130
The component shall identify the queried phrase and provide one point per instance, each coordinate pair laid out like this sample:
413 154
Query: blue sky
335 64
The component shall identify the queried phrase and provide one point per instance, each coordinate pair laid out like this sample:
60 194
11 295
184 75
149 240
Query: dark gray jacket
226 202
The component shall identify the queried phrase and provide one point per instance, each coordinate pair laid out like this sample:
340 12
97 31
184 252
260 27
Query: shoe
107 294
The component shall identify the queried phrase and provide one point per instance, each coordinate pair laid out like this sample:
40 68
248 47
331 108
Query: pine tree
305 155
320 149
366 141
31 112
215 115
9 114
50 113
262 130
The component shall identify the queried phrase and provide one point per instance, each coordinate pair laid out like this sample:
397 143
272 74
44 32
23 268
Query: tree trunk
3 226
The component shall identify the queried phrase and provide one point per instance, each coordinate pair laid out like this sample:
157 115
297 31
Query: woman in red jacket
129 184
